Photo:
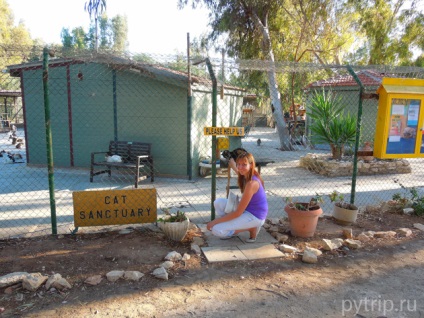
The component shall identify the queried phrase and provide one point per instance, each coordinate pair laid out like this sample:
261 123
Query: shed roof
367 77
151 70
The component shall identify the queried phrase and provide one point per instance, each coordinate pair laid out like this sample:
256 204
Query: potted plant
344 213
175 226
330 123
303 216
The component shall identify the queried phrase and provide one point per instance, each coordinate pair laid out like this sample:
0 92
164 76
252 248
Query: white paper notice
394 138
398 109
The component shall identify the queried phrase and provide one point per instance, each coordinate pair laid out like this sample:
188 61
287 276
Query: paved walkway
237 249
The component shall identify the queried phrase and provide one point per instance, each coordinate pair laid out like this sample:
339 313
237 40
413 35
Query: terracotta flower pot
344 216
302 223
175 230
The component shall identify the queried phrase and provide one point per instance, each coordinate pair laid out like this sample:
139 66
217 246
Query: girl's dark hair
241 181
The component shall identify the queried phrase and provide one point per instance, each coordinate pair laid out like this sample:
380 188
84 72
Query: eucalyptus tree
15 44
392 29
270 30
247 24
113 35
95 8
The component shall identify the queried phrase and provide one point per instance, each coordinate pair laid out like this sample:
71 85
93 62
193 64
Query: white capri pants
226 229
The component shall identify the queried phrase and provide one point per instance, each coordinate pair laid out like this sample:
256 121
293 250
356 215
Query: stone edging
324 165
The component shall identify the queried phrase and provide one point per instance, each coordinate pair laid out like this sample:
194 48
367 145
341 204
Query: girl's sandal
251 240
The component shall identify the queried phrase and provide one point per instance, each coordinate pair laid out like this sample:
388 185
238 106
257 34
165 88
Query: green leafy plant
313 203
338 199
409 198
330 124
169 217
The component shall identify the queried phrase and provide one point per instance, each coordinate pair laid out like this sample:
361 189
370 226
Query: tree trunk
277 110
337 151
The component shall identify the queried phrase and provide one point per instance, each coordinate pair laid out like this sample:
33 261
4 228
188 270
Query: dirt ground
384 278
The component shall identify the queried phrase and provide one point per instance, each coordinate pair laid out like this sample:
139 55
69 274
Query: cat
233 154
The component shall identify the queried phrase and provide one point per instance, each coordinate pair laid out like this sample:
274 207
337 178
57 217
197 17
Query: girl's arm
251 188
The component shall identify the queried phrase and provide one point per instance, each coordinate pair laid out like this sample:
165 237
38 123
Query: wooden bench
135 155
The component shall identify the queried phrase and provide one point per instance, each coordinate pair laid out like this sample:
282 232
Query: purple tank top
258 205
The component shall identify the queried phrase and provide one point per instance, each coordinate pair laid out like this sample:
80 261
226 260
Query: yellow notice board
112 207
227 131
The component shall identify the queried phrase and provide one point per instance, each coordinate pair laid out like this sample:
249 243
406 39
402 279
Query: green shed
346 88
98 98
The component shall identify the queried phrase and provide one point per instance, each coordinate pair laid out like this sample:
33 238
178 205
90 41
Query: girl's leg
244 222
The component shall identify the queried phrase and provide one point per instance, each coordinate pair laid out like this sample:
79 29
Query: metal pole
49 142
214 109
189 107
358 133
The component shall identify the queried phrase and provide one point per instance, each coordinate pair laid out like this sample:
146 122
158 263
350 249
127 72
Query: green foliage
313 203
338 199
113 35
178 217
409 198
330 124
392 29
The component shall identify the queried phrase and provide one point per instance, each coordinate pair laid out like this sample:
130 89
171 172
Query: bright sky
154 26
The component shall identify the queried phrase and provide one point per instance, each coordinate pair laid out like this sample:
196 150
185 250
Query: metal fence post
358 133
49 142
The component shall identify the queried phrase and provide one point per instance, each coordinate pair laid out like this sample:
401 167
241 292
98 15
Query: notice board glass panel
403 126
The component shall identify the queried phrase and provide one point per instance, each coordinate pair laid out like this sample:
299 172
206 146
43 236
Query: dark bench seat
135 156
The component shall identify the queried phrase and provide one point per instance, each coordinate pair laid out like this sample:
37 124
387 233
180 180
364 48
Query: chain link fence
63 114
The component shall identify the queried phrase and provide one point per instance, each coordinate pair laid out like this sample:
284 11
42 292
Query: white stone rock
186 257
160 273
133 275
287 248
404 232
369 233
363 237
274 221
353 244
113 276
94 280
125 231
281 238
33 281
309 257
419 226
274 228
385 234
12 278
408 210
196 248
51 280
333 244
167 264
266 226
61 284
173 256
316 251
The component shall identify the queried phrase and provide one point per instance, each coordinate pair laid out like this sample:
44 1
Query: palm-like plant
95 8
329 123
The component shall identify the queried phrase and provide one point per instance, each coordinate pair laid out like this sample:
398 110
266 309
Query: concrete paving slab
223 254
254 251
236 248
